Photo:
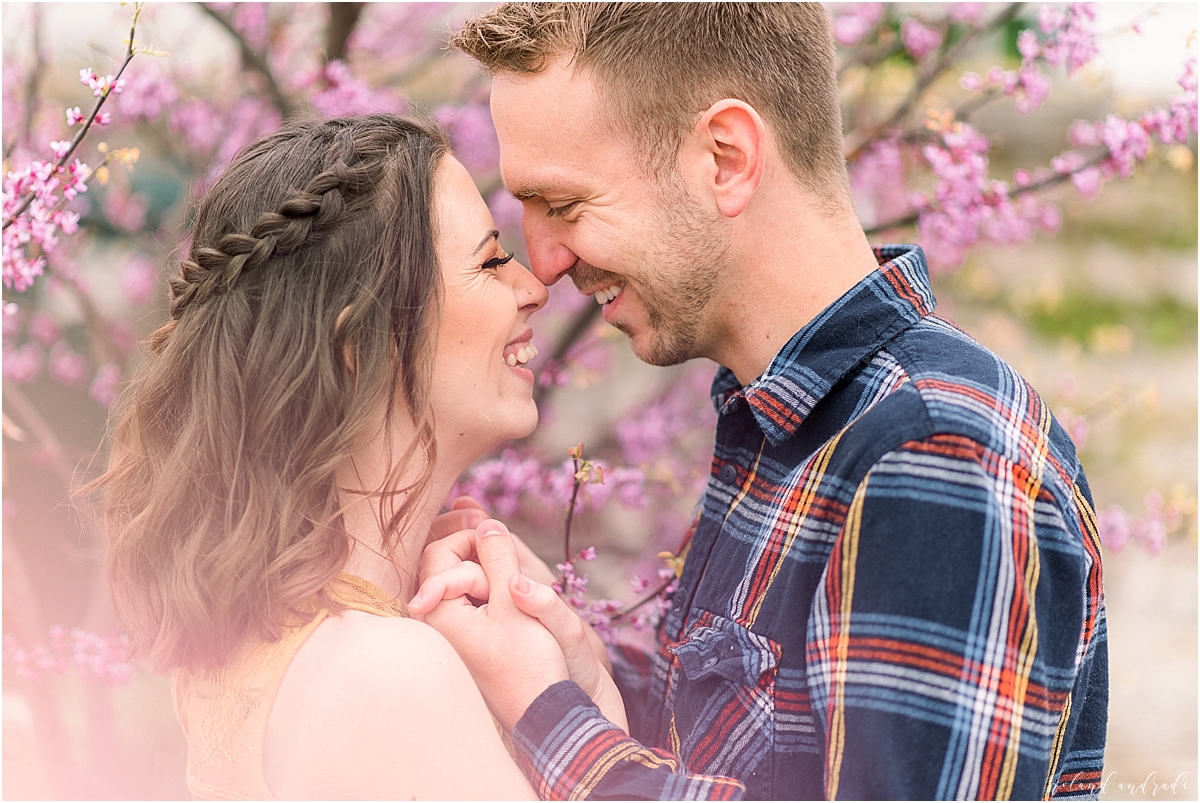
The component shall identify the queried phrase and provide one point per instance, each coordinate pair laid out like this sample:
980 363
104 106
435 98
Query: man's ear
732 134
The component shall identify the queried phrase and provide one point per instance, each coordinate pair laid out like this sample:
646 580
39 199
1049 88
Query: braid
301 220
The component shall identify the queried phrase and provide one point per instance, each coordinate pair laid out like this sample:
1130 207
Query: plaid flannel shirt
892 588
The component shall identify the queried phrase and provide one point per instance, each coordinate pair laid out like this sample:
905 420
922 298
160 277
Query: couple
892 586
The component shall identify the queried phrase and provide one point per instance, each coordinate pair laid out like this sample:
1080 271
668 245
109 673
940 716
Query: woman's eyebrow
491 235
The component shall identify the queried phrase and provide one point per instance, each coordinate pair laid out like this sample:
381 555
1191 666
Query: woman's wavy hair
308 301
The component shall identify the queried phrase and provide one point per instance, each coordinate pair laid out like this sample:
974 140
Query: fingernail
523 585
415 602
491 528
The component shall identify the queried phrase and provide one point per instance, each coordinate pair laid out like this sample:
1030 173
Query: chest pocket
723 700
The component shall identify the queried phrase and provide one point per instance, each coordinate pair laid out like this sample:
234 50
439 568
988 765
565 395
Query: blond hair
660 65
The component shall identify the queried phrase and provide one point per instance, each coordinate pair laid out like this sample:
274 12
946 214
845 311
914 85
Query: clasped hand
523 638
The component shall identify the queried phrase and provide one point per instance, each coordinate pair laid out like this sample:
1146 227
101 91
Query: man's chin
651 349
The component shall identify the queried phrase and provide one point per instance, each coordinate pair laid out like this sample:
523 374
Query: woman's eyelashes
496 262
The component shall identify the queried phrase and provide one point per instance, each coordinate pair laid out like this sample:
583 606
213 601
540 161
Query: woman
346 336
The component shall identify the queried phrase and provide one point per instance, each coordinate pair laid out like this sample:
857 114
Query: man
893 586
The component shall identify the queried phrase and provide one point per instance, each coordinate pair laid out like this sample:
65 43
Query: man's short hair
660 65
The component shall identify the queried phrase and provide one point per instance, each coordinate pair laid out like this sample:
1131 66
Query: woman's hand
457 568
465 514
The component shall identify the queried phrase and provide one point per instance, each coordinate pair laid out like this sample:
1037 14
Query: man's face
645 248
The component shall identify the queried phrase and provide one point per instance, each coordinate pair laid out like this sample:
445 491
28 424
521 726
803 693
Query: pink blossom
339 92
971 82
105 384
506 211
878 182
65 365
1115 527
855 21
23 364
472 136
127 211
103 118
43 329
75 116
138 280
1127 143
1087 181
148 91
919 39
1083 134
1071 37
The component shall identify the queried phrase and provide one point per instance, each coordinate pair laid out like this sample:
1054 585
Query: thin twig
948 55
571 510
1037 186
255 62
633 606
62 160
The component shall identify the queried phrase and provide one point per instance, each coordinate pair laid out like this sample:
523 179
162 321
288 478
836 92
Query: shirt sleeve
952 642
571 752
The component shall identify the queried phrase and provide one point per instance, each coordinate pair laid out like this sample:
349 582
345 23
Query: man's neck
791 263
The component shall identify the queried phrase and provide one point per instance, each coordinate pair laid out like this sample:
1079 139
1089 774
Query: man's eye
496 262
560 211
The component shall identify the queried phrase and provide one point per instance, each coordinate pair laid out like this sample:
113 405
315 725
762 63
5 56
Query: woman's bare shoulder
381 707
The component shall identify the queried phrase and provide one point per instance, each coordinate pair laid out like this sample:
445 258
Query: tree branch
1037 186
254 62
62 160
948 55
343 18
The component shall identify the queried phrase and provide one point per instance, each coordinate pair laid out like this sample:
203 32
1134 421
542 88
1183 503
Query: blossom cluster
96 657
43 189
968 206
606 615
505 483
1118 528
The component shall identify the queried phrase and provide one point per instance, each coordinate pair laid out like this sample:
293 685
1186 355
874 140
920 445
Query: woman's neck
395 575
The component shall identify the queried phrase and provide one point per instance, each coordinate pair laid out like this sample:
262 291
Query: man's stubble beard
676 281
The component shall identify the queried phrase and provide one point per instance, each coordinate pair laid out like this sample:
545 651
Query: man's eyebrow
491 235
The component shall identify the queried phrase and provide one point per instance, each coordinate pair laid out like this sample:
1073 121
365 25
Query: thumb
497 555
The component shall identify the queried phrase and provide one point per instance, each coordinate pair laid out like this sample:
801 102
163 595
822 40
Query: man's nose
549 256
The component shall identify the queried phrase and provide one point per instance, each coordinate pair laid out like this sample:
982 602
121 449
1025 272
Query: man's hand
512 657
580 645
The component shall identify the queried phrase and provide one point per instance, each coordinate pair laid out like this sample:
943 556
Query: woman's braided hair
307 302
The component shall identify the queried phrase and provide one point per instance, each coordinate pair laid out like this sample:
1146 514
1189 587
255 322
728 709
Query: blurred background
1081 271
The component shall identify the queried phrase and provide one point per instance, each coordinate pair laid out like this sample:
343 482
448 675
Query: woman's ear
733 140
348 347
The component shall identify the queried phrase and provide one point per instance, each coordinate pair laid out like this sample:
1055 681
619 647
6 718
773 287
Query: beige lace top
224 712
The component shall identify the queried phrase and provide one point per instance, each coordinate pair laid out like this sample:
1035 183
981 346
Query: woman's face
482 391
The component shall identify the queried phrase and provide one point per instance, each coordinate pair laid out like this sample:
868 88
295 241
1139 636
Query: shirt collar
844 334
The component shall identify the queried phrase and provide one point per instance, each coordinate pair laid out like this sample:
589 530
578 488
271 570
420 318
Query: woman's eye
496 262
559 211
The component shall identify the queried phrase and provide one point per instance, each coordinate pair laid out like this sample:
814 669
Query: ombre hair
307 303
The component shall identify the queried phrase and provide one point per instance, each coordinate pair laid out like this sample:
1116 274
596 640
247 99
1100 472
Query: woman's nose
531 293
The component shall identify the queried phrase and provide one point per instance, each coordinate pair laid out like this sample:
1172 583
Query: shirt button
728 474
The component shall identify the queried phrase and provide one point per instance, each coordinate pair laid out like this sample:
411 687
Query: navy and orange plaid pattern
892 588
